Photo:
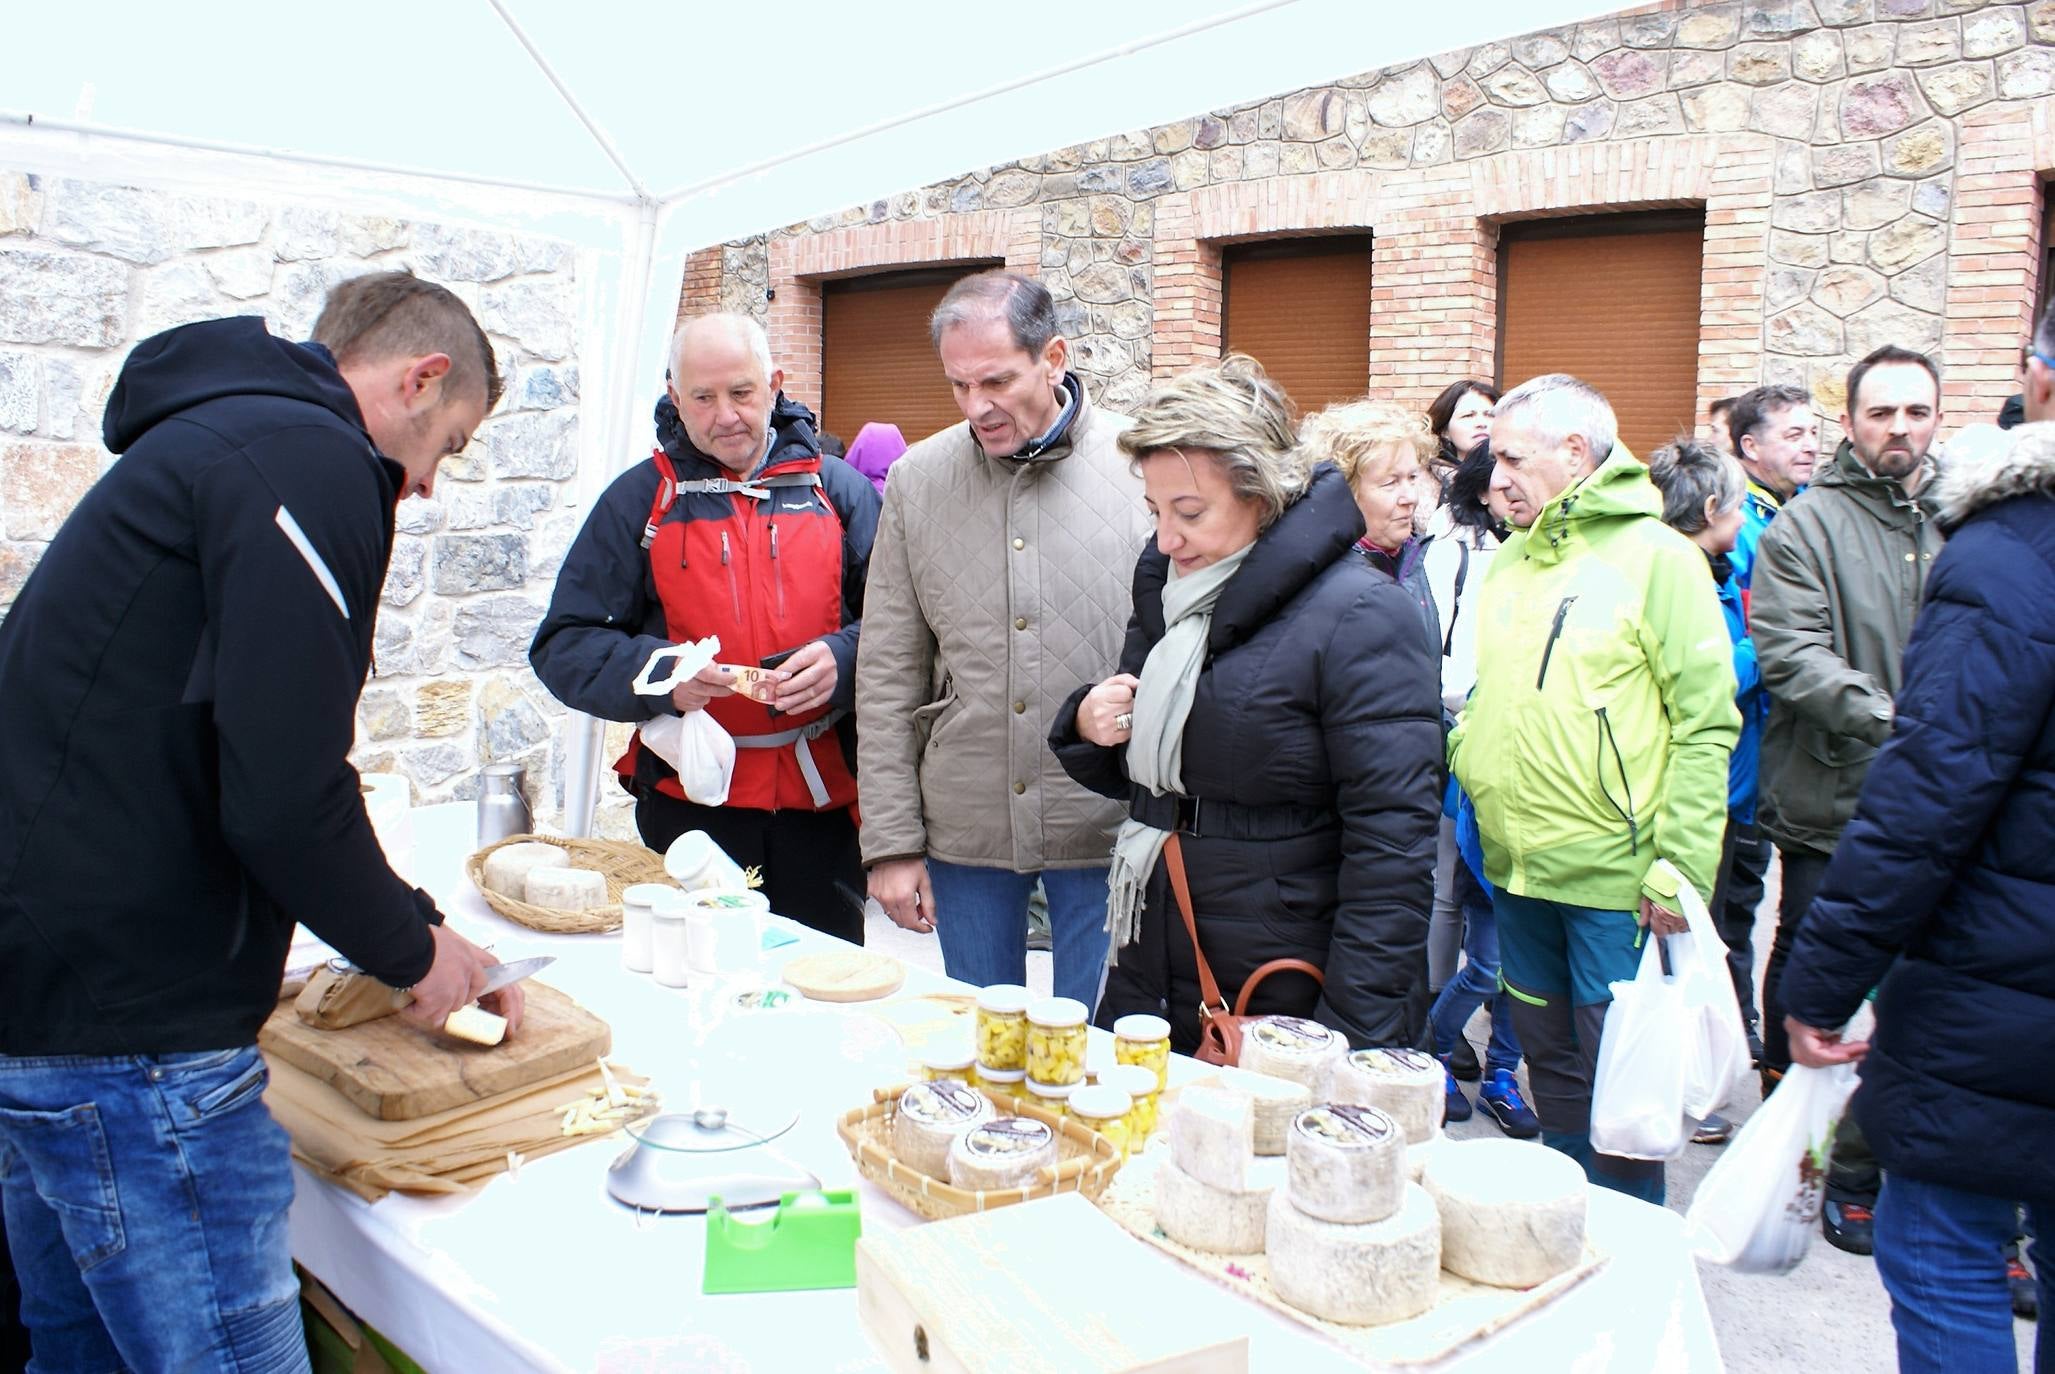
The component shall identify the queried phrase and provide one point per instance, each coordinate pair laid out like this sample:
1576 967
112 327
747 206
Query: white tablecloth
544 1271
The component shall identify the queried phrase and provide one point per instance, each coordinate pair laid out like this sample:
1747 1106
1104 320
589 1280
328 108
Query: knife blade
497 977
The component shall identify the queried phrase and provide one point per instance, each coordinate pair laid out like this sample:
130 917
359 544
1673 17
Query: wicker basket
1085 1161
621 862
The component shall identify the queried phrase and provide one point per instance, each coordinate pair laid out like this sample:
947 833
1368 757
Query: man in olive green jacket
1595 745
1838 580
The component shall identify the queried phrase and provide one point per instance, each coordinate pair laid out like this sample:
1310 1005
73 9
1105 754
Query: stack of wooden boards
385 1105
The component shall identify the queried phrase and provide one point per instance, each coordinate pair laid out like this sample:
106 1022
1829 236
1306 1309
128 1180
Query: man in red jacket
737 527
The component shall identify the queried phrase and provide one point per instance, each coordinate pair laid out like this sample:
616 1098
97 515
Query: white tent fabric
640 130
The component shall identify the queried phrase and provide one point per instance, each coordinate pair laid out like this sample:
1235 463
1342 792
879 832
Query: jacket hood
181 368
792 422
876 447
1619 489
1317 529
2023 464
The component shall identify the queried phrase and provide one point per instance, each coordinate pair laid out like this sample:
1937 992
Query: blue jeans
146 1202
1939 1254
981 920
1476 982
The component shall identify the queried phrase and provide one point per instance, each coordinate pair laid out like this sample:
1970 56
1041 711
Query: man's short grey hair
1557 405
1023 302
1688 473
735 326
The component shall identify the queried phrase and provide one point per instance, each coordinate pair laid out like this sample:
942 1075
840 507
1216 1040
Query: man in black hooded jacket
178 688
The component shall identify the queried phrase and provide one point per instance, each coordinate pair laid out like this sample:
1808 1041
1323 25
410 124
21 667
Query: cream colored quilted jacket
996 587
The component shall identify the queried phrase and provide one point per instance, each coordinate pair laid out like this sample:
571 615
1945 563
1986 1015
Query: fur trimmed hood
1987 465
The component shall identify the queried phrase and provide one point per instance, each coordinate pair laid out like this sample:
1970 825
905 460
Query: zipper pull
724 548
774 540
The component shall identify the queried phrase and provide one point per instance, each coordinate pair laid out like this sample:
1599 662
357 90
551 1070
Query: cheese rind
1005 1152
1512 1213
1364 1275
561 888
1215 1220
507 868
1293 1048
1346 1164
929 1117
1409 1086
1212 1136
1277 1101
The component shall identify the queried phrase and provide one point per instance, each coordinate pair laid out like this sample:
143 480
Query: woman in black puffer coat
1311 748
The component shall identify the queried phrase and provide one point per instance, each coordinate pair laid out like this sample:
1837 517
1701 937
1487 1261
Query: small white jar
694 861
670 917
637 922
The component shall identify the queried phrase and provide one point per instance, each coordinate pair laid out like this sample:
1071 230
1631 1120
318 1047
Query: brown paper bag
337 1001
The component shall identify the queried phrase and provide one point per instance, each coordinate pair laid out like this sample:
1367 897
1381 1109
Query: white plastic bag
1718 1066
1637 1097
1759 1207
701 751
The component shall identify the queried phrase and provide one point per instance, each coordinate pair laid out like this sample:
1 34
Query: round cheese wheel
1206 1218
507 868
1294 1048
562 888
928 1119
1409 1086
1345 1163
1005 1152
1512 1212
1384 1271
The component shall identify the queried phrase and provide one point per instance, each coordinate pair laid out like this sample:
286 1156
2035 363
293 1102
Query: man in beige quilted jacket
1000 580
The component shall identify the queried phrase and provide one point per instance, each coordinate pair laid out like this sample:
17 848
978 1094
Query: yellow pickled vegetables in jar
1050 1097
1145 1040
1056 1041
1103 1108
1002 1082
1138 1081
1002 1024
953 1061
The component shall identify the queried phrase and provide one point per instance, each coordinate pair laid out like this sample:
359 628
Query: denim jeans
981 920
1940 1256
146 1202
1476 982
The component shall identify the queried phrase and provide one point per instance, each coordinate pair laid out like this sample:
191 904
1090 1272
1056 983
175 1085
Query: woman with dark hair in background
1460 419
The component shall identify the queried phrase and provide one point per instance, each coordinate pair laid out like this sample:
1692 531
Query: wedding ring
1124 721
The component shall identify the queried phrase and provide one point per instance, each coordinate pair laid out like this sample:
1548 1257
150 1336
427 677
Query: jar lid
1058 1011
991 1075
1101 1101
1003 999
951 1054
728 899
646 894
1136 1080
1056 1091
1142 1026
670 904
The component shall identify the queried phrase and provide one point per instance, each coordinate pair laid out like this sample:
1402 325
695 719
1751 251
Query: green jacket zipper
1555 632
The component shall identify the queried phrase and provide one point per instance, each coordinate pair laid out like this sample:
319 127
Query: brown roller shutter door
1615 302
1301 307
876 361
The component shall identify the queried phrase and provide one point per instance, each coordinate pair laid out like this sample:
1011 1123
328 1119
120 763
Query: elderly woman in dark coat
1277 705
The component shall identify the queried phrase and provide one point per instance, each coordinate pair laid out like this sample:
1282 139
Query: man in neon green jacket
1595 744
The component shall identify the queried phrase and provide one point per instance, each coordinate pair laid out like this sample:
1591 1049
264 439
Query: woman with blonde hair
1276 709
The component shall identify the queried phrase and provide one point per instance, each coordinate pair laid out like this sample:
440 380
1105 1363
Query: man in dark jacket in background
736 527
1943 890
178 692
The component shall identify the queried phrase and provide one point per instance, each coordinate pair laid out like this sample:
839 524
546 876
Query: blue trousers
146 1199
981 920
1476 982
1939 1253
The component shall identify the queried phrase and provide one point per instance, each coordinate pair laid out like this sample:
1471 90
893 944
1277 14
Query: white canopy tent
638 130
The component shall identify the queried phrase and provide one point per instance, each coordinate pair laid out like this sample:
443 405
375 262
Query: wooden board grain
395 1071
846 976
1003 1292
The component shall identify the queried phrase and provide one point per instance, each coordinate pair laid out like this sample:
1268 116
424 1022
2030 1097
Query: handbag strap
1211 1003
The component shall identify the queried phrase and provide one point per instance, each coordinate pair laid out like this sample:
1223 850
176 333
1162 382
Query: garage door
876 361
1612 299
1301 307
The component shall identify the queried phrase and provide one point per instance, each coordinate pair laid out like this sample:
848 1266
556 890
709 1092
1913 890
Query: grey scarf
1155 750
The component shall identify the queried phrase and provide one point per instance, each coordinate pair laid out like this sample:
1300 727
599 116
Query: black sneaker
1754 1045
2026 1299
1848 1226
1456 1106
1462 1062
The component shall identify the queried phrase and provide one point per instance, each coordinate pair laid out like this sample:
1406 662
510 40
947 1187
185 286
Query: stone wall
1821 136
88 269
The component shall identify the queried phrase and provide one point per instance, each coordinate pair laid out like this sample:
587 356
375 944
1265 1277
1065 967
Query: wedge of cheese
1366 1275
1212 1136
1512 1211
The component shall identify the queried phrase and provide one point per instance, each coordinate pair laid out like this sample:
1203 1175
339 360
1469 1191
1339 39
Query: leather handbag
1220 1030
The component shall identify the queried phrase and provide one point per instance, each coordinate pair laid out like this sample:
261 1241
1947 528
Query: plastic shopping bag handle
691 659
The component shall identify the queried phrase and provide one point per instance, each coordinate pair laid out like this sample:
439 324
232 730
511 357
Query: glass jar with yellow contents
1103 1108
1139 1083
952 1060
1003 1082
1050 1097
1003 1026
1056 1041
1145 1040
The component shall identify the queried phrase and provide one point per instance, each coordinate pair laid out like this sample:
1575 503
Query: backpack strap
666 495
1456 599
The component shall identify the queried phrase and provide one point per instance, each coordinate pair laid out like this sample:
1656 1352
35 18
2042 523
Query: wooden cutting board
845 976
395 1071
1004 1292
